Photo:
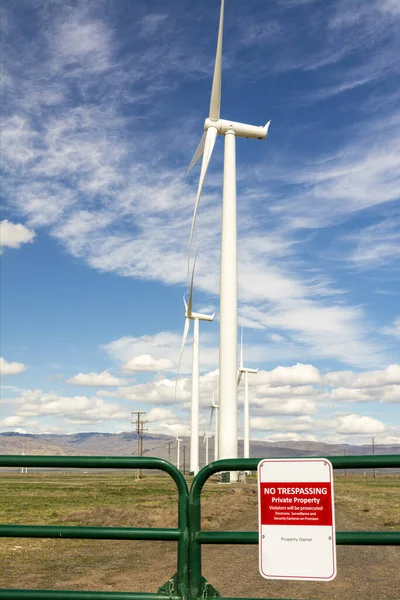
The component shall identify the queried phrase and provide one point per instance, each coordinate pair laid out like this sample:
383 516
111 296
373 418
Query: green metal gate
188 582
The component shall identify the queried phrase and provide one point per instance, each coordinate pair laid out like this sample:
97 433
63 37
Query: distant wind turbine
194 421
214 409
205 441
246 425
213 125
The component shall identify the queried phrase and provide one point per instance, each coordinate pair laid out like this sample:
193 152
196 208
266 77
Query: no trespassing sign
296 519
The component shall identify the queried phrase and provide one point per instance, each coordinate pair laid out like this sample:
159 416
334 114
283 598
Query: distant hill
125 444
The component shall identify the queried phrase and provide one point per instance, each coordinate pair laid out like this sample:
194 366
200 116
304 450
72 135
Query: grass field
121 500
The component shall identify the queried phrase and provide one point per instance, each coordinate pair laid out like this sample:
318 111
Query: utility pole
139 426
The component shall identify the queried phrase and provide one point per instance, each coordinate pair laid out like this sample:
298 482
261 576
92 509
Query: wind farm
114 210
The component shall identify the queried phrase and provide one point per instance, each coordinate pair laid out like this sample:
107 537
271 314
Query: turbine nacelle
239 129
246 370
200 316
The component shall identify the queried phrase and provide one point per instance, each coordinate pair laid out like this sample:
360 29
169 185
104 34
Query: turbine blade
239 377
198 153
211 418
211 135
184 337
215 101
189 305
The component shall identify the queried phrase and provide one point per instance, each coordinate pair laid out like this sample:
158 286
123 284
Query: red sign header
296 503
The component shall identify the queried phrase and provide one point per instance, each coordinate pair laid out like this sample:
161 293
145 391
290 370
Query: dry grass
107 500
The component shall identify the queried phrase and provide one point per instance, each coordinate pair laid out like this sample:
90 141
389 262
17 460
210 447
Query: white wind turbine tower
178 451
246 424
194 413
205 441
214 408
213 125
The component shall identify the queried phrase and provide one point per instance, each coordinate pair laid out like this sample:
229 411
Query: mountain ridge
164 446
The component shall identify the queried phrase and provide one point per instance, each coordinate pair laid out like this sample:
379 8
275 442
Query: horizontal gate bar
92 533
349 538
372 461
77 595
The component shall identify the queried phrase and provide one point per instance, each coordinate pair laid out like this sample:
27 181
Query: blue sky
103 107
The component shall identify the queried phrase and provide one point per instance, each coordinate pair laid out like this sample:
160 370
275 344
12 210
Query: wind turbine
194 417
178 451
214 125
214 408
205 441
246 424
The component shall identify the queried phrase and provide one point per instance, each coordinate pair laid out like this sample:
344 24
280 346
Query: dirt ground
364 572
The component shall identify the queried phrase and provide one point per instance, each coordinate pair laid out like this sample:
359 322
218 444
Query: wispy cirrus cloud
376 245
85 170
393 329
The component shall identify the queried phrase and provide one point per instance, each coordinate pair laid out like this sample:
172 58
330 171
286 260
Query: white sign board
296 519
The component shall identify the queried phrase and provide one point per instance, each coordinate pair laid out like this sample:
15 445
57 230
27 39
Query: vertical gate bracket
208 590
168 588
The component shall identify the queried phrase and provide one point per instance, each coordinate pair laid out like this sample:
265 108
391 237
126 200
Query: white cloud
14 234
78 409
105 378
83 41
160 391
160 414
275 337
356 424
284 406
390 375
321 331
160 352
11 421
348 395
298 374
146 363
367 379
265 390
11 368
384 394
339 378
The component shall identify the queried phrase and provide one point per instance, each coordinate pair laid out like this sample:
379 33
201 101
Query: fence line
187 583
